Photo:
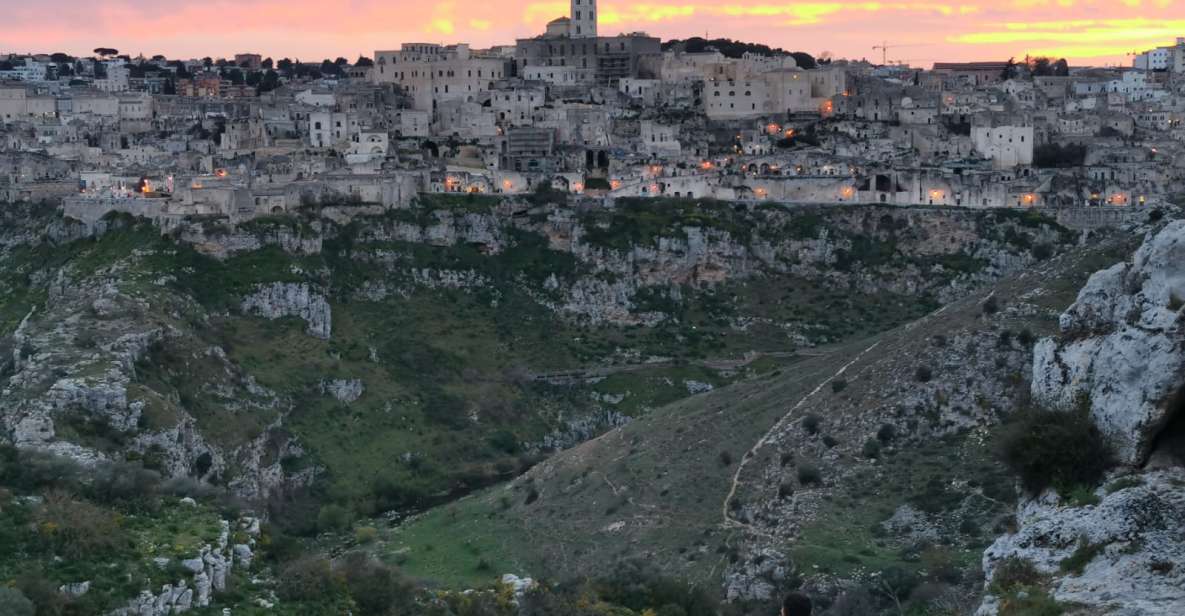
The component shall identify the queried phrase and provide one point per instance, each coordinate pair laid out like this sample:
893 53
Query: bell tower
584 19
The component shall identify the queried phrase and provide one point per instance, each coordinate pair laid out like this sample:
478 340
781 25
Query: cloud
1099 30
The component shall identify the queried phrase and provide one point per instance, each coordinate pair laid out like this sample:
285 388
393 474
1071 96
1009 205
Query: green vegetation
103 525
848 537
1054 449
1086 551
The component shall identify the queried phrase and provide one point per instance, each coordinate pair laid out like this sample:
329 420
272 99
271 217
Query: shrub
830 441
787 458
366 534
14 603
886 433
1042 251
725 458
785 490
77 528
923 374
872 449
1085 552
838 385
1046 448
1035 602
991 306
333 518
809 474
1026 337
309 578
375 587
1014 572
810 423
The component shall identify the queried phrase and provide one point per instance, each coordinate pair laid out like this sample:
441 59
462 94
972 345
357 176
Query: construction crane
886 46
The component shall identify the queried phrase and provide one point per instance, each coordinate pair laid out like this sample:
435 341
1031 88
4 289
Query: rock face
1122 355
284 299
1122 349
1137 532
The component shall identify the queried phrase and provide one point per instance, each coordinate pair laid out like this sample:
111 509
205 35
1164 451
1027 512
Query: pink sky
1086 31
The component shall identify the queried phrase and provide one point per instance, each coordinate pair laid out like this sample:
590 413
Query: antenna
886 46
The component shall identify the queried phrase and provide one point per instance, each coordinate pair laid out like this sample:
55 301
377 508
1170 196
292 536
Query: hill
866 457
343 363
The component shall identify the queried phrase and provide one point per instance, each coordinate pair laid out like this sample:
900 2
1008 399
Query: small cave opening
1168 449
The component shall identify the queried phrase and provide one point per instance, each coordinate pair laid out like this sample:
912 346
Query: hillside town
595 116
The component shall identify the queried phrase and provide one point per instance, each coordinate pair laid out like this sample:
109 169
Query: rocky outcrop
344 390
1122 347
1121 354
1134 532
209 571
286 299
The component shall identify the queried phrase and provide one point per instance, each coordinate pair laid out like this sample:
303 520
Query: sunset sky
1095 32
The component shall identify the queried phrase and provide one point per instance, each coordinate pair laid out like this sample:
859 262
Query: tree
104 52
14 603
269 82
1055 449
267 63
364 61
60 58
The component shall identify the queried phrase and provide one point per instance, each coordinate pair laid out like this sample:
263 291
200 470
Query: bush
886 433
77 528
1046 448
309 578
14 603
366 534
725 458
1085 552
923 374
785 490
375 587
809 475
991 306
333 518
838 385
872 449
810 423
1014 572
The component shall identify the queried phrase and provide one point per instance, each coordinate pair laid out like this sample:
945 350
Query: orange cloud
1091 30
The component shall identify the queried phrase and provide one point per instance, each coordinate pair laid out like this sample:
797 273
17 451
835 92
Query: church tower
584 19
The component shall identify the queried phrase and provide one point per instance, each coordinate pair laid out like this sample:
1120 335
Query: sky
1087 32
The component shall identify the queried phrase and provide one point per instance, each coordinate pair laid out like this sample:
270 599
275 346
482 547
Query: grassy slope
656 487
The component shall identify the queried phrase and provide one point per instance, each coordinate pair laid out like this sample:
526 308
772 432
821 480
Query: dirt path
729 521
